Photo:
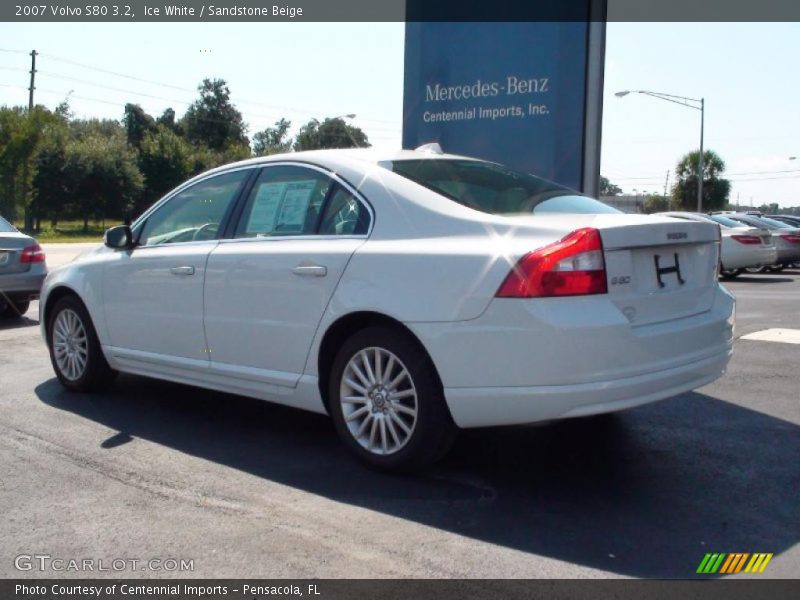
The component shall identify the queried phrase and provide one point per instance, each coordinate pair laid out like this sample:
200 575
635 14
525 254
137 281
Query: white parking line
786 336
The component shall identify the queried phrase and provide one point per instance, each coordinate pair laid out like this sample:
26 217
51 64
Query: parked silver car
786 238
22 270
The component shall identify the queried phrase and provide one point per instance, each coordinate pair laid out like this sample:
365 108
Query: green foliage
607 188
654 204
102 176
213 120
165 160
22 133
715 189
331 133
273 140
137 124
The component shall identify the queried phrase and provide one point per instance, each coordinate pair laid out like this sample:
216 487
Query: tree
715 189
607 188
213 120
102 176
165 161
22 133
654 204
273 140
331 133
137 123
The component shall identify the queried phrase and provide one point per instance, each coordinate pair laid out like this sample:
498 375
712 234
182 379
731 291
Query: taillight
750 240
791 237
32 254
572 266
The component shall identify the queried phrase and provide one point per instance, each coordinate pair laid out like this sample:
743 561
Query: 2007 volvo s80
405 295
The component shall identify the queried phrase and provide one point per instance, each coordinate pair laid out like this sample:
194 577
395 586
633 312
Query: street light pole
689 103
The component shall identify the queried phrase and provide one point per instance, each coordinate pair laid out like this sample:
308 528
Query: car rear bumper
526 361
755 257
482 407
25 285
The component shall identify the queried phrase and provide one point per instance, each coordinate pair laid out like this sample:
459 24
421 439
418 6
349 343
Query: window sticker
265 207
294 207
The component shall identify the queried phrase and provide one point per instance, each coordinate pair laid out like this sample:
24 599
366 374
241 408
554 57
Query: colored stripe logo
731 563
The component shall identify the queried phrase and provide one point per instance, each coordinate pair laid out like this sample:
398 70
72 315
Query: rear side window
344 215
494 189
285 200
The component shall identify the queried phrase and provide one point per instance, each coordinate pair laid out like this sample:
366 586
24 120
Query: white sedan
405 295
742 246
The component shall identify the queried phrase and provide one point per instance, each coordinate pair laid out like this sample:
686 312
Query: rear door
267 288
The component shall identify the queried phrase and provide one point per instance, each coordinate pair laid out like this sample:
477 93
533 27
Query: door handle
310 270
182 271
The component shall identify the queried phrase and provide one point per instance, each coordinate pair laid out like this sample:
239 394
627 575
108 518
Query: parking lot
248 489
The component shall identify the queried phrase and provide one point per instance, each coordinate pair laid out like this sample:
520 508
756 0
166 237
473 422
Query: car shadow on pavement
17 323
643 493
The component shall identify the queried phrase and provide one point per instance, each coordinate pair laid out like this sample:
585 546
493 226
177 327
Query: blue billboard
514 93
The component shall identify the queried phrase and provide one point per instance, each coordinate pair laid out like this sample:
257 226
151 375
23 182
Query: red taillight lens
791 237
32 254
750 240
572 266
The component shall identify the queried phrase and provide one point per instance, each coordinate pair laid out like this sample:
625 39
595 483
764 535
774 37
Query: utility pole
28 211
666 185
700 166
33 79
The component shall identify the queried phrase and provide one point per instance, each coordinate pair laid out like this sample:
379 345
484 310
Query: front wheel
387 402
74 348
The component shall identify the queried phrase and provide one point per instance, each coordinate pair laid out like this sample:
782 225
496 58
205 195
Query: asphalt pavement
242 488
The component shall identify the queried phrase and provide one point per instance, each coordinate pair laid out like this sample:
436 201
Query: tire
70 328
15 309
776 268
731 274
403 433
756 269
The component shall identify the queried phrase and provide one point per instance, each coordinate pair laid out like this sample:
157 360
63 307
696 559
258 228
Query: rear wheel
15 309
756 269
777 268
731 273
74 348
387 403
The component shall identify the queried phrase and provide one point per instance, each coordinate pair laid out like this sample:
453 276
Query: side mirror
119 238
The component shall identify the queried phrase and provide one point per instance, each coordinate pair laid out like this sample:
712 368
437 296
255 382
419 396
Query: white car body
245 322
738 250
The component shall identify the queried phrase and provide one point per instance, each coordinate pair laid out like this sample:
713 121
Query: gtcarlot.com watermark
48 563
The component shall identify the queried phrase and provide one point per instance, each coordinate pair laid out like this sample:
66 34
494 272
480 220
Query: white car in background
743 246
404 294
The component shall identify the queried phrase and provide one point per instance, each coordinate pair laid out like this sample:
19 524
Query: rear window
494 189
6 227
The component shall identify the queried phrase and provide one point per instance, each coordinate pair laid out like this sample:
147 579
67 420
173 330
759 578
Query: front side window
494 189
194 214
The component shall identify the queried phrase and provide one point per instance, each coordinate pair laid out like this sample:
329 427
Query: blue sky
747 72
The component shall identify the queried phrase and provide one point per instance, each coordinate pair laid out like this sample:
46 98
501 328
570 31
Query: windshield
494 189
726 221
6 227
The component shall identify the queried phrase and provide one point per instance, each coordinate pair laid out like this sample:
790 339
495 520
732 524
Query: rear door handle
310 270
182 271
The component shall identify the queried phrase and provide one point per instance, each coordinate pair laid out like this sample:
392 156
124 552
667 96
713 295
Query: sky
747 73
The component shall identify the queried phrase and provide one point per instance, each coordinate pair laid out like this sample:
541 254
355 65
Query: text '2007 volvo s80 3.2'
406 295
